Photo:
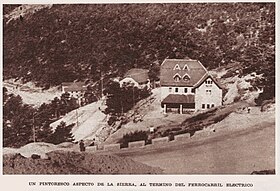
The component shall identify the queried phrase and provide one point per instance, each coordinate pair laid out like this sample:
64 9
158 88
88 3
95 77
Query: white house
186 85
75 89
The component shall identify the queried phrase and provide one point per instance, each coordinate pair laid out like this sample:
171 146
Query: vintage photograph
139 88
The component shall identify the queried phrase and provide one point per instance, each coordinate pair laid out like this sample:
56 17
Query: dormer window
177 67
209 81
186 77
186 67
177 77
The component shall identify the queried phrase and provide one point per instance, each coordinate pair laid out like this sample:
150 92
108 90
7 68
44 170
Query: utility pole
133 96
77 116
33 129
33 126
101 80
122 107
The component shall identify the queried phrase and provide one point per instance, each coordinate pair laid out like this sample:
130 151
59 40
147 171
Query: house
186 85
75 89
136 77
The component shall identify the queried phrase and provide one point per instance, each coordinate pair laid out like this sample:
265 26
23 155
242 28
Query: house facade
186 85
75 90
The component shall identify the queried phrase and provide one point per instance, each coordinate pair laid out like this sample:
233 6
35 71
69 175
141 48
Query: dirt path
237 152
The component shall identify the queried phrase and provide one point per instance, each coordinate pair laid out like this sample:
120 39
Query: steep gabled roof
177 98
193 68
205 77
138 74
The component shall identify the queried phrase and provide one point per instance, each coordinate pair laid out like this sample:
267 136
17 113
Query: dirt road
236 152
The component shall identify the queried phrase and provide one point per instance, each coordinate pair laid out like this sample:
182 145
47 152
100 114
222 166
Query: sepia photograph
139 88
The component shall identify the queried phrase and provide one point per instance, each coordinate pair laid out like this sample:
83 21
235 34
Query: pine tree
62 134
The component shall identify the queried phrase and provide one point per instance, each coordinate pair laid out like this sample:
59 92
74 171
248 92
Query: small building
186 85
137 77
75 89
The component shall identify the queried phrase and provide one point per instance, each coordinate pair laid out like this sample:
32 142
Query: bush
133 136
201 116
62 134
220 117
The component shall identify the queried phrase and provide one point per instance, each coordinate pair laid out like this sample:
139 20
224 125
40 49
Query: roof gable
177 67
205 77
192 70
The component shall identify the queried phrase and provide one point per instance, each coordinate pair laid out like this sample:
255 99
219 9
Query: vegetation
62 134
122 99
101 41
22 123
133 136
17 121
78 42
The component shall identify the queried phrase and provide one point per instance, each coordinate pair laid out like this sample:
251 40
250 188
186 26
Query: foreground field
240 151
236 152
61 162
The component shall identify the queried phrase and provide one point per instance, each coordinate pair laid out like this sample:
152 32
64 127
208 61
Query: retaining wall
91 148
182 137
156 141
160 140
112 147
136 144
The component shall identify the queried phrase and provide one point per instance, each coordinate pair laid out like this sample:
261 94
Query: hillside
90 122
45 45
147 113
31 94
53 44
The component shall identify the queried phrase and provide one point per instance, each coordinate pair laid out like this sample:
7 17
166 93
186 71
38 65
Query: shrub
133 136
62 134
220 117
201 116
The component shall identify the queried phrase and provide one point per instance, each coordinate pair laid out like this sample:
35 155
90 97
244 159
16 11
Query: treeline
121 99
23 123
78 42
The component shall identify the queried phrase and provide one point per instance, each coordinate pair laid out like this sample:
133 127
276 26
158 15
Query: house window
212 105
208 106
177 77
208 92
186 67
177 67
209 81
203 106
170 89
186 77
186 90
193 90
176 90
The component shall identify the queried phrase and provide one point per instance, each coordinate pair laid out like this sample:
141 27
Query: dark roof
194 69
177 98
74 86
138 74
